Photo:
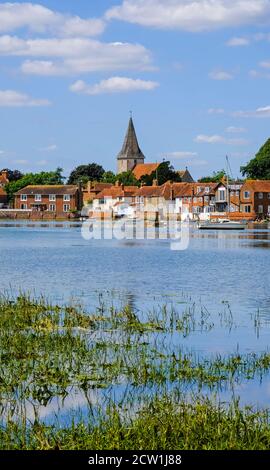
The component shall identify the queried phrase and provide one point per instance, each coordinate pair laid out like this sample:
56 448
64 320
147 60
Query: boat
222 224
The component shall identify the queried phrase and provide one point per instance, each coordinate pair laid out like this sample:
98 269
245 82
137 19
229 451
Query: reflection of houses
255 197
56 200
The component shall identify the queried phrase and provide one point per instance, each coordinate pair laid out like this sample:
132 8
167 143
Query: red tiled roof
117 191
45 190
258 186
143 169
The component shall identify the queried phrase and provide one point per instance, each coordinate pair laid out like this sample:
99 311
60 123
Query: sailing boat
224 224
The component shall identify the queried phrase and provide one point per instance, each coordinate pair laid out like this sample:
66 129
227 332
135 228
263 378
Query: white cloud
263 112
21 162
48 148
42 163
219 139
75 55
209 139
191 15
265 64
216 111
220 75
180 155
235 130
113 85
11 98
238 41
37 18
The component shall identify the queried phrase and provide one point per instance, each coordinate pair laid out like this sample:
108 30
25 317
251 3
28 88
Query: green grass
46 351
161 425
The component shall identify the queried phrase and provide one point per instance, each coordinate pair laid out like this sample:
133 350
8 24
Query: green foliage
216 177
51 177
164 173
259 166
84 173
127 178
109 177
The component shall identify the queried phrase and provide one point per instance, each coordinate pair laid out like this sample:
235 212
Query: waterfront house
92 189
255 198
3 197
3 178
106 202
50 200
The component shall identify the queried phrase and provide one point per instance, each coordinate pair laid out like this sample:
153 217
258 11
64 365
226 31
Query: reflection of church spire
131 154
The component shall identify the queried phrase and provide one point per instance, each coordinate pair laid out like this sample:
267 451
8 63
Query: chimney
122 187
117 183
155 182
5 174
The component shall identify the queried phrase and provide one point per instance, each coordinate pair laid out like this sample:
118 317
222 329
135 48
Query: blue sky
195 74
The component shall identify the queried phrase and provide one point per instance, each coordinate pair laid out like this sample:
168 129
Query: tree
13 175
51 177
259 166
127 178
164 173
84 173
216 177
109 177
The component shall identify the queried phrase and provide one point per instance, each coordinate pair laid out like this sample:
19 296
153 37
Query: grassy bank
162 425
149 391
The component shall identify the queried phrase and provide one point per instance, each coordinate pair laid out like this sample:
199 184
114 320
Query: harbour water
226 274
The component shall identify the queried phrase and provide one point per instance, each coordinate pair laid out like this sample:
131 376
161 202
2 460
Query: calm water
218 268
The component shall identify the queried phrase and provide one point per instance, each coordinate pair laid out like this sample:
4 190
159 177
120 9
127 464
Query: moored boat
222 224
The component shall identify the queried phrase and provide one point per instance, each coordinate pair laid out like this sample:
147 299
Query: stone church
131 158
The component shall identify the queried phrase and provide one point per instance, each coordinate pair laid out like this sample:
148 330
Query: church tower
131 153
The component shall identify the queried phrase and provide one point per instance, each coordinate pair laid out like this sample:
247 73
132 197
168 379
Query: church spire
131 153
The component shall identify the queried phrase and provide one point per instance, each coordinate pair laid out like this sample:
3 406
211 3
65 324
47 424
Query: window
23 206
37 197
23 197
222 195
232 193
268 210
268 195
260 209
247 194
247 209
66 207
207 189
260 195
199 189
206 198
194 199
52 197
66 197
52 207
